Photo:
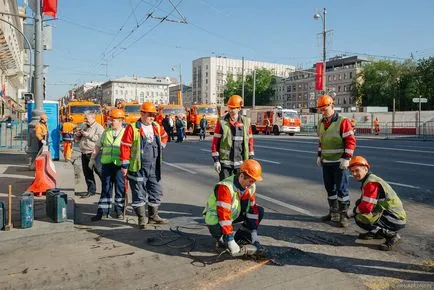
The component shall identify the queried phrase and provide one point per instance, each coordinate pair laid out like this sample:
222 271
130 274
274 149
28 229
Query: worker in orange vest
68 138
41 130
376 126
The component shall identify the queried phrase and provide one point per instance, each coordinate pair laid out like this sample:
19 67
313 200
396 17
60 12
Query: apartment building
209 75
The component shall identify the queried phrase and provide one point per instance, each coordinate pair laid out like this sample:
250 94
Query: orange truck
132 111
171 110
195 115
281 120
76 109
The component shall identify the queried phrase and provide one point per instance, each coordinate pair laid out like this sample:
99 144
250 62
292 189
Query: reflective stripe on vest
135 162
227 138
111 147
332 143
210 211
391 203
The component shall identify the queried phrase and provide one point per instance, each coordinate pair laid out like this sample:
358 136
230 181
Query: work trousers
112 177
250 224
202 134
228 171
336 183
180 134
145 188
67 150
382 223
88 173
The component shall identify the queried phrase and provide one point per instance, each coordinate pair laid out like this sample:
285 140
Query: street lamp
318 16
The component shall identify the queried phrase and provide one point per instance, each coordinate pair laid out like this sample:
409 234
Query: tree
425 77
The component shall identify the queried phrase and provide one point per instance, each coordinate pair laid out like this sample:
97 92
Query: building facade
187 99
140 89
297 91
209 75
13 57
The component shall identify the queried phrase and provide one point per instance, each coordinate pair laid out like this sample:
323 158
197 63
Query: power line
85 26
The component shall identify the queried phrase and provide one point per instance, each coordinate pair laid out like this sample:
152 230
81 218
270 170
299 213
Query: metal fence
13 135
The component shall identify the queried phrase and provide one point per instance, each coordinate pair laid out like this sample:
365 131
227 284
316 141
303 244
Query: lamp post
180 84
322 16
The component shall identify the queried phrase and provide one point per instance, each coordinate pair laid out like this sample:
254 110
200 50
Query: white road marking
286 149
263 160
399 184
180 167
415 163
284 204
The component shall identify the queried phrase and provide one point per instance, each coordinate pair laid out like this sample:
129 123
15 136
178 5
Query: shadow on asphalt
187 237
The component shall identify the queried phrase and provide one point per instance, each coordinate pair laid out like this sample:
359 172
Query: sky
97 40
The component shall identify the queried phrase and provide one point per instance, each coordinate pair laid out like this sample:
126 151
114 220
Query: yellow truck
76 110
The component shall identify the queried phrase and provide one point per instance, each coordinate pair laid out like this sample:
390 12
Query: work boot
343 218
154 218
370 236
392 239
142 218
333 214
99 215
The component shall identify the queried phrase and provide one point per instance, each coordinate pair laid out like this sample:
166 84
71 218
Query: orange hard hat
235 101
43 117
358 161
148 107
324 101
252 168
117 114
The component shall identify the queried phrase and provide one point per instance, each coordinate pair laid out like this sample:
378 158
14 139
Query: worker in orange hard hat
233 201
41 130
111 174
335 149
232 143
379 209
68 128
141 159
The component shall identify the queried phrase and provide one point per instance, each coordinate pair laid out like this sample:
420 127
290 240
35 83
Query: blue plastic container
2 216
26 210
56 205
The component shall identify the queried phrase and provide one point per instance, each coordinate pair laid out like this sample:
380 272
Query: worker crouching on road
41 131
232 143
379 209
335 149
141 159
233 201
111 175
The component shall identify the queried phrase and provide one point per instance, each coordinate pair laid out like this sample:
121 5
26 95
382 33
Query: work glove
91 163
255 237
232 245
217 167
344 163
318 161
44 142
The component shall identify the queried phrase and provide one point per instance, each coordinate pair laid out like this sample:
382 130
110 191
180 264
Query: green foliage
425 78
263 91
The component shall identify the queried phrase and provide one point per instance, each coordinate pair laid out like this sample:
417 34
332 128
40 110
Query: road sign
422 100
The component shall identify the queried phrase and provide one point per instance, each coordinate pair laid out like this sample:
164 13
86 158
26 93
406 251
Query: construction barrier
45 174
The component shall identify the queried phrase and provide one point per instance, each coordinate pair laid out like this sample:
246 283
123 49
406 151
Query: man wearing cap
41 130
379 209
335 149
233 201
141 159
232 143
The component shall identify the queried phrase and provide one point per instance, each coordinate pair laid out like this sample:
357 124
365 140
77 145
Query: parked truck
76 110
195 115
280 120
132 111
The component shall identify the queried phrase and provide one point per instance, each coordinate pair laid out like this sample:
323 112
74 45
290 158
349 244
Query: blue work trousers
112 177
336 183
145 188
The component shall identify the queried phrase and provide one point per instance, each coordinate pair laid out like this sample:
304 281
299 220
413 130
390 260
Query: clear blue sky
281 31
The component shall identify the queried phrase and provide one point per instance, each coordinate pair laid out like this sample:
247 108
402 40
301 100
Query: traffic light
27 97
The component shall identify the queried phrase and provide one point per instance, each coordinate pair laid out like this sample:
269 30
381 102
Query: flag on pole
49 8
319 76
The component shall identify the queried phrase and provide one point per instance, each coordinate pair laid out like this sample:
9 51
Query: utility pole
242 75
324 37
32 143
254 89
137 97
180 85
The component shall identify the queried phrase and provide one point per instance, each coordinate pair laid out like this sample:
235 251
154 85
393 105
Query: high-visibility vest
227 139
210 211
68 131
390 203
111 147
135 160
332 143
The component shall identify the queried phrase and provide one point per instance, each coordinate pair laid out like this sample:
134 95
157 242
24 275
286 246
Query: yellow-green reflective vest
227 138
135 162
390 203
210 211
332 143
111 147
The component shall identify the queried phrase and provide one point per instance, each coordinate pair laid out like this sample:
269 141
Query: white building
209 75
141 89
12 59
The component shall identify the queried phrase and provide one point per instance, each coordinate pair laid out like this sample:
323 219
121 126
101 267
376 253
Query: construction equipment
76 109
171 110
132 111
281 120
195 115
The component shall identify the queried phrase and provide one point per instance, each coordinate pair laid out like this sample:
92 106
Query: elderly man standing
88 135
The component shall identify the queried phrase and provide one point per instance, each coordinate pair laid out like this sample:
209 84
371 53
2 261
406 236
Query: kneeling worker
233 201
379 210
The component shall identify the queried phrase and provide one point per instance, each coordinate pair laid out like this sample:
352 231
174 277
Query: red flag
319 76
49 8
